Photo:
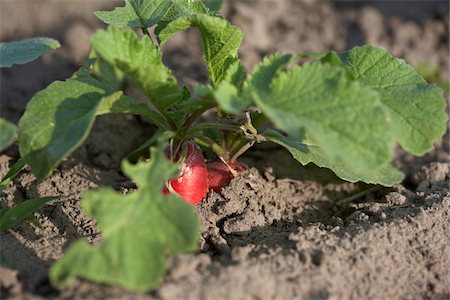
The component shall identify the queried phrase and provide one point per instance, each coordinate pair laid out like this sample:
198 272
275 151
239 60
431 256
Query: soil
279 230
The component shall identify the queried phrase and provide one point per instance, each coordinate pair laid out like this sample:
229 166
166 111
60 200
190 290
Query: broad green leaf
138 230
125 104
235 73
141 60
136 13
416 108
221 41
228 98
187 106
181 9
344 118
233 96
228 92
23 51
306 152
170 28
264 73
98 68
12 173
58 119
8 134
22 211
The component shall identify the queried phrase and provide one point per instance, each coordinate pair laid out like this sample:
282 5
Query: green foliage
140 59
136 13
58 119
12 216
221 41
23 51
416 108
344 118
12 173
8 133
307 152
343 111
138 230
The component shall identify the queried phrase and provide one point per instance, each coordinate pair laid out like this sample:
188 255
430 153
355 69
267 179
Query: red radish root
220 174
192 184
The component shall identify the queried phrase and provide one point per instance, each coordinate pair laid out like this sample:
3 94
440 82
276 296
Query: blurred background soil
279 231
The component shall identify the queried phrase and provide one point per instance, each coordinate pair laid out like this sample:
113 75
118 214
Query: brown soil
279 231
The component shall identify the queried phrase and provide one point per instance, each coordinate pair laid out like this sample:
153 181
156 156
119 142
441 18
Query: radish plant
342 111
14 53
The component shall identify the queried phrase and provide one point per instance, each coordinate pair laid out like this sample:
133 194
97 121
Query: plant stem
242 143
145 32
222 126
242 149
169 119
218 150
189 121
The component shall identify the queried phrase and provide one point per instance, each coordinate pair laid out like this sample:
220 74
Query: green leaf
264 73
306 152
221 41
135 13
99 68
22 211
12 173
165 32
58 119
181 9
141 60
228 92
345 119
416 108
23 51
233 96
138 230
228 98
8 134
142 150
125 104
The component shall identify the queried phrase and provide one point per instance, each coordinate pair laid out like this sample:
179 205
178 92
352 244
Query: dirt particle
395 198
433 172
9 283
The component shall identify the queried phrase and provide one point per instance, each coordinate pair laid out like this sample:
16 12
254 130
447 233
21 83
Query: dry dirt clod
395 198
433 172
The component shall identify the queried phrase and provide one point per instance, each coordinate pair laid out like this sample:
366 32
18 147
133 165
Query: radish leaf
135 13
138 230
14 215
221 41
306 152
141 60
58 119
23 51
8 134
344 118
416 108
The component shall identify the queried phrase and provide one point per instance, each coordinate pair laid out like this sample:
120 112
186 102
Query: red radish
220 174
192 184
